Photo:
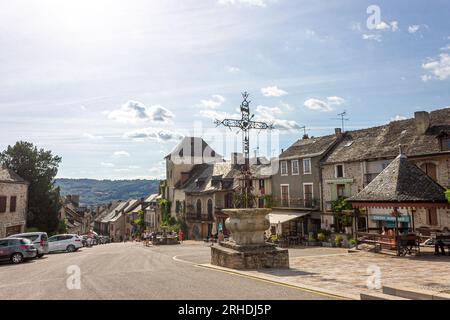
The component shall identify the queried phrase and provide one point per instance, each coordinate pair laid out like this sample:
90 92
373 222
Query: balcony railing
194 217
297 203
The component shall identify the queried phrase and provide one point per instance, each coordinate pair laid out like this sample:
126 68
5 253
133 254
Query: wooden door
430 169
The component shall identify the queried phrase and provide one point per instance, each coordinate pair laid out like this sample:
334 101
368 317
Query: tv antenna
343 119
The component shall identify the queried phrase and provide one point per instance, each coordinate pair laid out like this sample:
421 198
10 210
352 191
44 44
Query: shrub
352 242
321 237
338 239
311 237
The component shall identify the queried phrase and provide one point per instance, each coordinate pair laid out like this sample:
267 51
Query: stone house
116 224
153 213
78 219
13 203
297 185
362 154
209 189
191 151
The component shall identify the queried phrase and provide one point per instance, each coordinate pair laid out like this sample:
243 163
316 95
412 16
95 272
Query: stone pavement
346 274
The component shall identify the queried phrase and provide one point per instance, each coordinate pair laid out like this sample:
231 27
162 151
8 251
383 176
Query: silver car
40 240
17 250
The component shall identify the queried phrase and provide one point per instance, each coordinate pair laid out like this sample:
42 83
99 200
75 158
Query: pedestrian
440 243
180 236
220 237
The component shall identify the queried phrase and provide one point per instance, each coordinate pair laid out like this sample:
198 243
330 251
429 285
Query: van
39 239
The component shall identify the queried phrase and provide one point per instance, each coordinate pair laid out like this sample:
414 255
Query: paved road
131 271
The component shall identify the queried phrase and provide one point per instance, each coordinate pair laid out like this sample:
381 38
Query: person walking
180 236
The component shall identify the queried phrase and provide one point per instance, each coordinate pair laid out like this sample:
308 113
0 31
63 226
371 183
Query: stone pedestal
247 249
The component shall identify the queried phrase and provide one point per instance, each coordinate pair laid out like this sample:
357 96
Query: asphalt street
132 271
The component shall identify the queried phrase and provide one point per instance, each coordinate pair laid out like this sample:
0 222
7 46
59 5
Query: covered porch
401 186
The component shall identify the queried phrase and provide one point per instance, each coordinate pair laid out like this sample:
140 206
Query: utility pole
245 124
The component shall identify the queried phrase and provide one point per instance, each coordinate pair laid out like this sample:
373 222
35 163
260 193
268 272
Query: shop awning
281 217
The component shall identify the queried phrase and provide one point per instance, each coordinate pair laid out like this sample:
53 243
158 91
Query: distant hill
93 192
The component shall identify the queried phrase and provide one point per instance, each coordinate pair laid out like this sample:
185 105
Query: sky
111 86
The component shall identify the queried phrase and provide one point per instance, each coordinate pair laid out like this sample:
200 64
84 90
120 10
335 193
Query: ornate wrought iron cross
245 124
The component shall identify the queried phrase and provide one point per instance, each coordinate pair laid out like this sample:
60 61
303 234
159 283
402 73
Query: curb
312 289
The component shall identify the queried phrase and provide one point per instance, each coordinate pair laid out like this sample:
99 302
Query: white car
64 242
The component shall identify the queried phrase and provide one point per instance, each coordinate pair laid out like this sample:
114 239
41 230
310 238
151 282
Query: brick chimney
338 132
422 120
237 158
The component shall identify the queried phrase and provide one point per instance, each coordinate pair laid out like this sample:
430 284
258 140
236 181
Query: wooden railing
295 203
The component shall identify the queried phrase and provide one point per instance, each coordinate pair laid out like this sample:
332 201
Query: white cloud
232 69
447 48
268 110
336 100
251 3
216 101
161 135
439 67
273 92
372 37
107 164
324 105
92 137
414 28
398 118
121 154
135 111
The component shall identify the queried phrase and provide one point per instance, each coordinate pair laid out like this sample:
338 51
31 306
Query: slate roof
9 176
197 147
383 141
203 177
311 147
401 181
115 213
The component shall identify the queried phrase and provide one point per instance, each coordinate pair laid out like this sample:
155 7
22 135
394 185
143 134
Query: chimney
338 132
237 158
422 120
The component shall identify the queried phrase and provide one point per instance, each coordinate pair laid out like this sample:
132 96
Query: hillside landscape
94 192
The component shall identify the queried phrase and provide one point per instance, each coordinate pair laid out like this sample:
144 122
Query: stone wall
10 219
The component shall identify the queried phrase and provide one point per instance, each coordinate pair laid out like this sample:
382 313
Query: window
2 204
284 168
229 201
295 170
308 194
339 171
432 217
307 166
199 208
261 184
12 204
445 144
340 190
210 209
285 195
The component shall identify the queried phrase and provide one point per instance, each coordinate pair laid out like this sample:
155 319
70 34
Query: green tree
39 167
447 194
140 221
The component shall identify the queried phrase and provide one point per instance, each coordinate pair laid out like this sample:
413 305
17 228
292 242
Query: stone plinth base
233 256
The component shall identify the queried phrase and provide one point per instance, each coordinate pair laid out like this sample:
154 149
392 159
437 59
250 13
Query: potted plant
338 240
352 243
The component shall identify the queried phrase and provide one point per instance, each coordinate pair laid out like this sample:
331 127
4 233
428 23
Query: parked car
39 239
64 242
17 250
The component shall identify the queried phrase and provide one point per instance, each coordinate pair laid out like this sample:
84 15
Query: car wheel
17 258
40 255
70 248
